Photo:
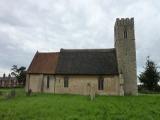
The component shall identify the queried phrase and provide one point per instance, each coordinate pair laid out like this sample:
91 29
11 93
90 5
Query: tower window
66 81
125 34
48 81
100 83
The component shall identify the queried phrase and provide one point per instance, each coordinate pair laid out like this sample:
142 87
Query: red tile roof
45 63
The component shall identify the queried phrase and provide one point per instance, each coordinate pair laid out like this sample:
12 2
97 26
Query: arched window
100 83
66 78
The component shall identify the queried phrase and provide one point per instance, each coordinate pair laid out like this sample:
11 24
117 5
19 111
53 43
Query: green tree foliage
19 73
151 76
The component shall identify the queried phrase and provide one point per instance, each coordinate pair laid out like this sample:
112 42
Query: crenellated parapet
124 21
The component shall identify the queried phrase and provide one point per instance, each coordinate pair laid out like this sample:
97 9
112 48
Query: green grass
76 107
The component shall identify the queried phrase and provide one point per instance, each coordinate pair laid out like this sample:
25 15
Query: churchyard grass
76 107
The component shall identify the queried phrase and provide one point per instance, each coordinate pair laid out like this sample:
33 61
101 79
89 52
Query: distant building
85 71
7 82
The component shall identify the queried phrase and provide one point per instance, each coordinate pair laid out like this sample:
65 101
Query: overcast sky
48 25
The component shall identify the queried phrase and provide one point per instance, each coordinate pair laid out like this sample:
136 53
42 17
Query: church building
85 71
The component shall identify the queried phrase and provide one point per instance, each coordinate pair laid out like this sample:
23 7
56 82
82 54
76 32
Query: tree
151 76
19 73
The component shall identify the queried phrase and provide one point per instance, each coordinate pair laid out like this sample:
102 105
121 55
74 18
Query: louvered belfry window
125 33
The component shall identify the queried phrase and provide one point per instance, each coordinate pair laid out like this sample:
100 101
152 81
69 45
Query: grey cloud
28 26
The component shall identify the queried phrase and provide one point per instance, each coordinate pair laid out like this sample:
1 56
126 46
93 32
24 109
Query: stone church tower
126 53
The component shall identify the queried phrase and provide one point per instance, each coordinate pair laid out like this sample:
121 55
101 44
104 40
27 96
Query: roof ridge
47 52
88 50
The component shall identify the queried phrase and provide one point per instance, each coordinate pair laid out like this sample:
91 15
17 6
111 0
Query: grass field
75 107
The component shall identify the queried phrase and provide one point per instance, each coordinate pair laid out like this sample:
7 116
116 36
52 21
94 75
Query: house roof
8 78
44 63
87 62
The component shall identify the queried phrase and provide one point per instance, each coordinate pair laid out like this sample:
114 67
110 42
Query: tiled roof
44 63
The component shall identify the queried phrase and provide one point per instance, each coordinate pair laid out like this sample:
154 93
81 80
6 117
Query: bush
143 89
